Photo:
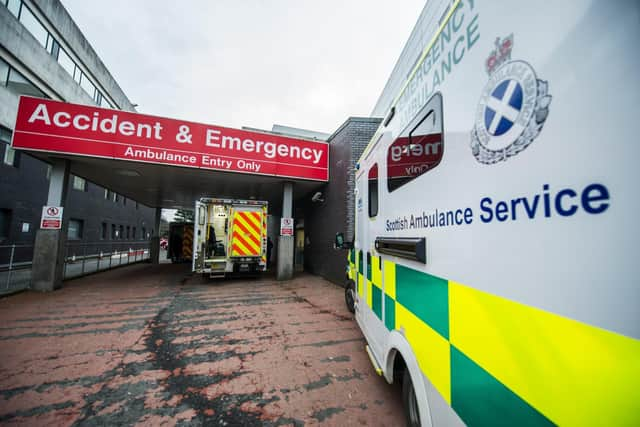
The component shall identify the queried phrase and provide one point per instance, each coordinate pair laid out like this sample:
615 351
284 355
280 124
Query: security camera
317 197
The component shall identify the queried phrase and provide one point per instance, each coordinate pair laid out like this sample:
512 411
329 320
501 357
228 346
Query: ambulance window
419 148
373 191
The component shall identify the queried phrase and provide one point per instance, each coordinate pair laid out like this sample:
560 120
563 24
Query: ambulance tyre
409 401
350 296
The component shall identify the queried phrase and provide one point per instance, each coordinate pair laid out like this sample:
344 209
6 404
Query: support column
285 243
49 248
154 249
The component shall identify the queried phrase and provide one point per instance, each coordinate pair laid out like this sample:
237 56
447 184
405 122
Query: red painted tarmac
153 345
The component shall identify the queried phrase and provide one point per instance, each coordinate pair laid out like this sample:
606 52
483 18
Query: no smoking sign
51 218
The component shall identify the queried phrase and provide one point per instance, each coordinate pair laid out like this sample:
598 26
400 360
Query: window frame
80 229
78 179
371 185
5 228
432 107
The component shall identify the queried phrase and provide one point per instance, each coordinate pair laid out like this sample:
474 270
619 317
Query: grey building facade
43 53
336 212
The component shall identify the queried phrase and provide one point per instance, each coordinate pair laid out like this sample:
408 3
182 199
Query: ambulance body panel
496 218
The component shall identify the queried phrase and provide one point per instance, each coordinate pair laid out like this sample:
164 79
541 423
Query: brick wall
337 213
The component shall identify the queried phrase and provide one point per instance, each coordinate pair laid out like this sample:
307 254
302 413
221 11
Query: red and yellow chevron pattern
246 233
187 241
264 237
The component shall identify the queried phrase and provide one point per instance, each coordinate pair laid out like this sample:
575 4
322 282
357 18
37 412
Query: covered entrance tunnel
163 163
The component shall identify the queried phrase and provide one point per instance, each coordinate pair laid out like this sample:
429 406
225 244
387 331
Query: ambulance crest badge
513 107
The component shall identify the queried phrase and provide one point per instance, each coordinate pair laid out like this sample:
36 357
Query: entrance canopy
165 162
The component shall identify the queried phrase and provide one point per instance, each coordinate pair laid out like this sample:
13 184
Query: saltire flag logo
513 107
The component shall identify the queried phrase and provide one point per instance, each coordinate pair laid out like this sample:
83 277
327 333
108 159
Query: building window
5 224
128 232
133 234
121 235
373 191
66 62
4 72
114 232
53 47
77 74
74 230
34 26
10 157
104 103
115 197
144 233
419 147
14 7
20 85
103 234
79 183
86 84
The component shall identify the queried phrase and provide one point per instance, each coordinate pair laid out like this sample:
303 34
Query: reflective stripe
497 361
187 242
574 373
431 349
390 279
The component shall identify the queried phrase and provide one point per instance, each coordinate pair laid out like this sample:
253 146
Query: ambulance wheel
350 296
409 401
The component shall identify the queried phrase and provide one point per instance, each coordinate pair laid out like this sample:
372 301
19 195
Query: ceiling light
127 172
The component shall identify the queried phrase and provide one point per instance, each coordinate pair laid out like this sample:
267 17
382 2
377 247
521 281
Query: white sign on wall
286 226
51 218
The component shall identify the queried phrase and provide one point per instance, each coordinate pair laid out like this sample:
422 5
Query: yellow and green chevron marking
500 362
351 259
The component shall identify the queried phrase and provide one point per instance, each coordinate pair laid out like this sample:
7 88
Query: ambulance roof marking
413 72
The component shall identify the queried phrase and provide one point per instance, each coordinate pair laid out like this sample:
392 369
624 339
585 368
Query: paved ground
154 346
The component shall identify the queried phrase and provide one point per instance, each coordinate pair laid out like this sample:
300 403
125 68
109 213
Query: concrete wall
23 188
323 220
24 53
67 29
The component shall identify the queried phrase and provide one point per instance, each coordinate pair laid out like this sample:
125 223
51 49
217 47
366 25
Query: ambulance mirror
340 243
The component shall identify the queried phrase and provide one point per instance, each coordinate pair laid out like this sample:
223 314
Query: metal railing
85 258
15 267
80 258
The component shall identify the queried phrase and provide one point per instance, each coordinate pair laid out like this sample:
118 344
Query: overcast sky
234 63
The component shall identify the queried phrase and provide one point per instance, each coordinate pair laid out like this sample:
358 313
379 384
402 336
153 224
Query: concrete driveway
152 345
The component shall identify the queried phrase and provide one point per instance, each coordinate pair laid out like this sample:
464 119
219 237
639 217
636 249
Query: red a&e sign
59 127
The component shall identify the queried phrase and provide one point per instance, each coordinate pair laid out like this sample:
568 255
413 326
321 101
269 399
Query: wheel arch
399 352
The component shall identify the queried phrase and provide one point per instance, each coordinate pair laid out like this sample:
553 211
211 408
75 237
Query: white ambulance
495 266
